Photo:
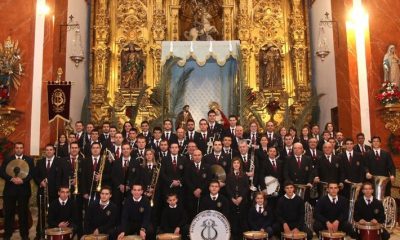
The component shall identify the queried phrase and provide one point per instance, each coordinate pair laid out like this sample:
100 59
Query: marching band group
146 182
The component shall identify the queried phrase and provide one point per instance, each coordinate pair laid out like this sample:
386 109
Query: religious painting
270 67
201 20
132 67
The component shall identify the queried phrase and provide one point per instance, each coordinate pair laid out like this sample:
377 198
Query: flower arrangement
389 93
6 148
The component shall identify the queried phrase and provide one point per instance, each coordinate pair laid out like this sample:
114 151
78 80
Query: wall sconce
323 48
76 55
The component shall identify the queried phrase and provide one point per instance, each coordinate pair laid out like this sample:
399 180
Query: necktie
313 154
368 202
245 159
237 174
167 136
95 164
103 206
73 163
334 200
126 163
290 152
197 167
117 152
253 139
214 198
157 143
180 143
298 161
274 165
106 136
48 165
191 136
141 153
63 203
269 137
329 158
212 128
233 131
204 137
217 157
174 163
350 158
362 150
377 157
259 209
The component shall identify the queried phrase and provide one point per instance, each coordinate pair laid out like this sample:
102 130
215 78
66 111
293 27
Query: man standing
17 192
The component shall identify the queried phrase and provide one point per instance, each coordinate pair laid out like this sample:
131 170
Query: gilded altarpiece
126 46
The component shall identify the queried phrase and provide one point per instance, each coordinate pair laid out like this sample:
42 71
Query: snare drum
132 237
326 235
297 236
95 237
59 233
369 231
252 235
168 236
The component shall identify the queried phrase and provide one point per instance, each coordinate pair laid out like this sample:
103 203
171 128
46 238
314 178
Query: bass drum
369 231
95 237
210 224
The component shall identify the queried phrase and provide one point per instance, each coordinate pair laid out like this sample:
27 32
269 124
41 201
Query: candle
191 46
230 46
171 47
210 47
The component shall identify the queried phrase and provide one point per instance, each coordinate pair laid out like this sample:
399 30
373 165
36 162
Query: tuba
380 183
390 208
354 192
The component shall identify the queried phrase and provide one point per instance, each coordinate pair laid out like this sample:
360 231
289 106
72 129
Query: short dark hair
50 145
106 187
77 122
288 183
348 140
360 135
211 111
329 183
144 122
172 195
74 143
133 130
18 143
233 116
190 120
106 123
376 137
213 181
95 143
155 129
167 120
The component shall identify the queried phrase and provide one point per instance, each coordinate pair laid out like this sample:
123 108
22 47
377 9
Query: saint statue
270 67
391 66
132 67
182 117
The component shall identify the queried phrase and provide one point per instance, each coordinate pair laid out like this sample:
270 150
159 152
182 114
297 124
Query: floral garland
6 148
389 94
394 144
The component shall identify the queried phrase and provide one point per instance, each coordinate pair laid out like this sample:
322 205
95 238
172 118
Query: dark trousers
238 220
79 203
343 226
10 207
42 208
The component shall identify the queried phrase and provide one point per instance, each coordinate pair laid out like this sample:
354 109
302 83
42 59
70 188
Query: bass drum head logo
210 225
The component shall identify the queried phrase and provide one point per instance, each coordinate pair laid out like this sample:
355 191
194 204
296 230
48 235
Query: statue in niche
183 117
202 29
391 66
132 67
270 67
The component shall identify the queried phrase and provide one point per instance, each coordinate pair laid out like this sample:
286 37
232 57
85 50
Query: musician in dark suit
331 212
156 139
272 165
261 216
191 134
361 147
227 147
125 170
237 188
62 146
136 215
262 151
145 131
298 168
352 167
368 209
91 174
287 150
329 167
325 138
203 137
315 132
249 159
116 147
164 149
167 132
253 134
51 173
174 218
62 211
94 138
313 151
239 135
80 135
218 157
138 154
102 216
290 212
17 191
105 135
230 131
215 129
182 141
171 173
191 147
380 163
74 164
196 180
214 200
273 138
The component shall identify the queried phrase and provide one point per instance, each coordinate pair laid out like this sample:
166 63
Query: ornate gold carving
391 117
9 119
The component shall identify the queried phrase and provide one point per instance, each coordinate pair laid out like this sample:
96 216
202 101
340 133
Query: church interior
303 68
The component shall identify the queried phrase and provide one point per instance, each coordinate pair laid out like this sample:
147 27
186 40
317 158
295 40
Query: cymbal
17 168
218 172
